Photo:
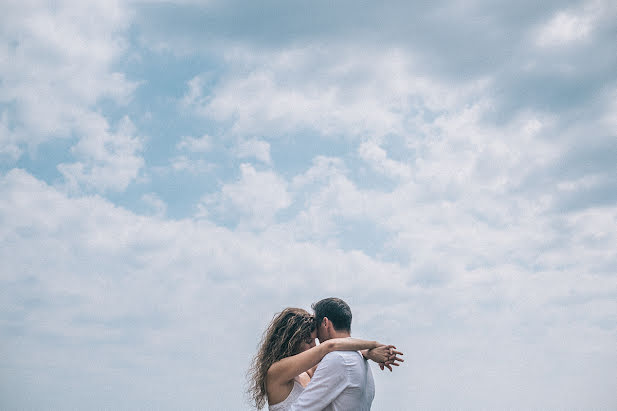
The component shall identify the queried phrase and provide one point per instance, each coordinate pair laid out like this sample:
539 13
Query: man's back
343 381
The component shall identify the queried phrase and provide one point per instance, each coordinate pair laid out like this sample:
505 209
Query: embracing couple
290 372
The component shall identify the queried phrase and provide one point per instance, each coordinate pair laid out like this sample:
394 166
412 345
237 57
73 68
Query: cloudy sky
173 173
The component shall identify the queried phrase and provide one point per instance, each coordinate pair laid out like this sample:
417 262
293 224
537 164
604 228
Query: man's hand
385 355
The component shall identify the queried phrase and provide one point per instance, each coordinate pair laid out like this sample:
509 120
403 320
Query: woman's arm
286 369
351 344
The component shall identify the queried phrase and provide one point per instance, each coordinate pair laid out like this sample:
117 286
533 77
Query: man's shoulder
334 356
343 357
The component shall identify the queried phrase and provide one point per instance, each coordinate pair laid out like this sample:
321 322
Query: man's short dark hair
337 311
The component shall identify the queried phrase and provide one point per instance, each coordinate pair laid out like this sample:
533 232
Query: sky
174 173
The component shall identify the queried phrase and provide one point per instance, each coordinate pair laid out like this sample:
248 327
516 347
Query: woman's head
289 333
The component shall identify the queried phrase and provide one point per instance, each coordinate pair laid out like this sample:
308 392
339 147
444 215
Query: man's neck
341 334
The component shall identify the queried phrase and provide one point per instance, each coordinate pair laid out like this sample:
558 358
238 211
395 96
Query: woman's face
309 342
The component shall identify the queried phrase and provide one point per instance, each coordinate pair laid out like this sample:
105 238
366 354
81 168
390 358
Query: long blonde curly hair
283 337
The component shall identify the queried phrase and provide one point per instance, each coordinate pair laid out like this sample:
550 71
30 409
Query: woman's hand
385 355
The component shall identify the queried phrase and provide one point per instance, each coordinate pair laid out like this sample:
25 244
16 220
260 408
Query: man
343 380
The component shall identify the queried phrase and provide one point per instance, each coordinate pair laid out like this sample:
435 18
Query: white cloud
174 2
310 88
377 157
108 161
254 148
57 63
322 169
609 116
155 204
563 29
197 145
255 198
194 96
193 166
9 141
327 196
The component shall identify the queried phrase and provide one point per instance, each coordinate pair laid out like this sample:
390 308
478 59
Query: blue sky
173 173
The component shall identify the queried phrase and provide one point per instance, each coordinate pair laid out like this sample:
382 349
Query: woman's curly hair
283 337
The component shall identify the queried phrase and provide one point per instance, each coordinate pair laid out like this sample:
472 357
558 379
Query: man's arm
329 380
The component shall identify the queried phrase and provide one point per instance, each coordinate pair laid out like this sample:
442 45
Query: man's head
333 318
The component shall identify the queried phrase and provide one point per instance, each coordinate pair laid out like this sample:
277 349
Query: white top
285 405
342 382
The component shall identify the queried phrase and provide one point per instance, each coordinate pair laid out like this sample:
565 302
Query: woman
288 357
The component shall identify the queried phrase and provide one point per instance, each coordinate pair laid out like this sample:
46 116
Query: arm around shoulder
286 369
350 344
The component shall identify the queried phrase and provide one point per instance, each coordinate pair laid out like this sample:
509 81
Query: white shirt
342 382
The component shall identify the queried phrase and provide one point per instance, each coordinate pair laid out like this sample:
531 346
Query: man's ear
328 326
